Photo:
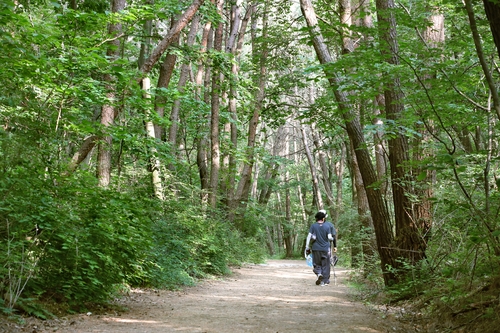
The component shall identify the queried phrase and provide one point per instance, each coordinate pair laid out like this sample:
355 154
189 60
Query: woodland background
157 142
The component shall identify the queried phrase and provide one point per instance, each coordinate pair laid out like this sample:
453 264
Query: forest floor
278 296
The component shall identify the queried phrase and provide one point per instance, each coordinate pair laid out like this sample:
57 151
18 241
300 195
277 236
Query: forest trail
278 296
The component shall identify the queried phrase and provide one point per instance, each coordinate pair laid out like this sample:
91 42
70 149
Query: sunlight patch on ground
152 324
125 320
366 329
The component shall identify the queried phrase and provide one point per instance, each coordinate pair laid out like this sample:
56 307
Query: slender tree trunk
171 36
183 78
494 12
289 227
366 21
312 169
368 242
233 94
108 111
269 241
422 209
380 145
339 173
166 71
233 130
154 161
214 119
201 139
330 203
146 42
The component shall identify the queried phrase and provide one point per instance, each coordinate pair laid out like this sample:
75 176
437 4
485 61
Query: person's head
320 216
324 212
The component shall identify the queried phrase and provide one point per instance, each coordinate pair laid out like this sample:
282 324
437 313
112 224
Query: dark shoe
320 278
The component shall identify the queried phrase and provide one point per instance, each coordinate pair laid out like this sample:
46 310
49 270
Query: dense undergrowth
68 245
462 298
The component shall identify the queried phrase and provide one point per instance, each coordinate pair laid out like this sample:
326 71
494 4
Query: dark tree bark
409 242
492 9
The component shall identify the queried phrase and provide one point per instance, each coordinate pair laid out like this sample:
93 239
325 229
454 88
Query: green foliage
79 240
189 245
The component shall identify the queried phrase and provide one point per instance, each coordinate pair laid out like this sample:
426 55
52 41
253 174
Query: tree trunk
243 189
86 147
233 94
154 161
339 173
108 110
214 118
330 203
289 227
312 169
409 242
379 211
492 9
166 71
171 35
494 13
422 208
368 242
183 78
201 139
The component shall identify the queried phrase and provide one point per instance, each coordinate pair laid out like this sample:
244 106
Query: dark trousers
321 264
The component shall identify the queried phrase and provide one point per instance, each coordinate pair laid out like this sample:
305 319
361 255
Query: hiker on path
320 235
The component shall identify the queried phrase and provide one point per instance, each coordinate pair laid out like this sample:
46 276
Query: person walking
319 238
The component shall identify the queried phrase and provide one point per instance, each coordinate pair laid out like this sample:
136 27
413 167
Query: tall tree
201 138
108 111
378 209
183 79
166 71
409 242
235 47
214 118
480 53
243 189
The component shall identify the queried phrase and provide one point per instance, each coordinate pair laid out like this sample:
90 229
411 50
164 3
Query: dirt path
279 296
